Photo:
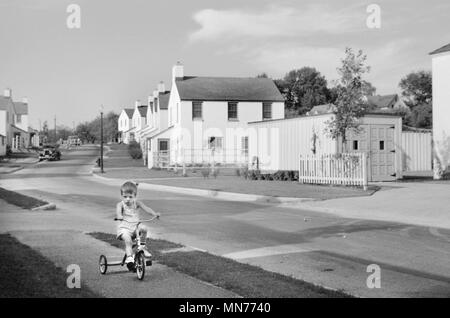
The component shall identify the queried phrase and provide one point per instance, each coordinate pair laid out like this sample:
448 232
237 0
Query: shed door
382 153
378 142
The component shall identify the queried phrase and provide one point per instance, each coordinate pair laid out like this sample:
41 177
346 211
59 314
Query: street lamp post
101 142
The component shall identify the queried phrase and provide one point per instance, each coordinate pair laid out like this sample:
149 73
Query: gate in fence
340 169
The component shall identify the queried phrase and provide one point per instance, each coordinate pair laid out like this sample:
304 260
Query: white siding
416 151
280 143
441 106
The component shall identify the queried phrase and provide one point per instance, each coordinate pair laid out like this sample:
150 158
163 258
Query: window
244 146
232 111
215 142
3 141
355 145
267 110
19 119
381 144
197 110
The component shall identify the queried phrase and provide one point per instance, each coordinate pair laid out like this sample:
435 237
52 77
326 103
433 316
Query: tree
90 131
262 75
421 116
368 89
417 88
303 89
350 105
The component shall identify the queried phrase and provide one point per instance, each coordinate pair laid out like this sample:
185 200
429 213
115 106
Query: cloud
276 21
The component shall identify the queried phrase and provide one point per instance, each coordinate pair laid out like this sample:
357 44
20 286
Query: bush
205 172
134 149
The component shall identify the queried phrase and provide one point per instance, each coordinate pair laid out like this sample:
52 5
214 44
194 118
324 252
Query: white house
138 121
7 114
441 108
124 124
278 144
208 117
14 122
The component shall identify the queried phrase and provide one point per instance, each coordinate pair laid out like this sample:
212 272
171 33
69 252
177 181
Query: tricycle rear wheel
102 264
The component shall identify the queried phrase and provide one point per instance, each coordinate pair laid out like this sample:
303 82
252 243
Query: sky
123 49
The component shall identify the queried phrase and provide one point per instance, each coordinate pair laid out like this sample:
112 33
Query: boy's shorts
125 228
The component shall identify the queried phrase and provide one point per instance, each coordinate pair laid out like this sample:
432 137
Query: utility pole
55 130
101 141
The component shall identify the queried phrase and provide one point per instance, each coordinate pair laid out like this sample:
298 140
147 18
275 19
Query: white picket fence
340 169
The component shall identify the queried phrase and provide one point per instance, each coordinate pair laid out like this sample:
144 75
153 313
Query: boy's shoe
130 263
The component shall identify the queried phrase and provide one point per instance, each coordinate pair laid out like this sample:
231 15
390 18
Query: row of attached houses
200 118
14 129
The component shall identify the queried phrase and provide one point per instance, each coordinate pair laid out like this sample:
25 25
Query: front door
163 153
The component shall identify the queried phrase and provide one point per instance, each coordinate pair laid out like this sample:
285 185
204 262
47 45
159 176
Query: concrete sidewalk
423 204
61 237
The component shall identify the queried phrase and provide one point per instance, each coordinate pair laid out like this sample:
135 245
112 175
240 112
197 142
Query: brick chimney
177 71
7 92
161 87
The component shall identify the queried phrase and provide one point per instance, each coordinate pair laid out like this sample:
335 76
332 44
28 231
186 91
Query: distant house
124 124
208 116
139 120
441 108
385 102
7 115
322 109
14 122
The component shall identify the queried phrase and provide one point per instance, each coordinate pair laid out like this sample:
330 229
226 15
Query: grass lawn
26 273
119 165
21 200
269 188
243 279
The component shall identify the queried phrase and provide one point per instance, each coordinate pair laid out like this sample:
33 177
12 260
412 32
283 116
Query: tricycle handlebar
146 220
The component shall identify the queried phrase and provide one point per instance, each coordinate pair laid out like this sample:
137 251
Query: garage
278 144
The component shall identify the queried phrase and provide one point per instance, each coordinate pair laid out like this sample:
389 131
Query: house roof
21 108
382 101
143 110
129 112
445 48
228 89
321 109
164 100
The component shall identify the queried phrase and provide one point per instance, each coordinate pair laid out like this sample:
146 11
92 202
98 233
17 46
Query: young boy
127 212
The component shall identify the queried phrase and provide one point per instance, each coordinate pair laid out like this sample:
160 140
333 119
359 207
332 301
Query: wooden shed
278 144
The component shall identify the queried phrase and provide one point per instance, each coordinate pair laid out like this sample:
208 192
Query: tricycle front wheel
140 265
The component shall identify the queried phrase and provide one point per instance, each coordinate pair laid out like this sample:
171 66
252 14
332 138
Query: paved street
333 251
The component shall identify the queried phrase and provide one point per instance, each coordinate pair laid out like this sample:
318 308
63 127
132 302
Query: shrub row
281 175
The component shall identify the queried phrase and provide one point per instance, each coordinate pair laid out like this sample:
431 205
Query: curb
12 170
215 194
46 207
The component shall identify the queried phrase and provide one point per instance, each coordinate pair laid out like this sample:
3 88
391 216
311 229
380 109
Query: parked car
49 152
